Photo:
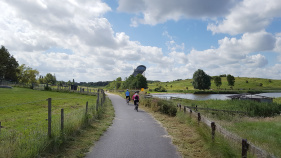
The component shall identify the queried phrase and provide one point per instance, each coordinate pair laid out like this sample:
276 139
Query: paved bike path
133 135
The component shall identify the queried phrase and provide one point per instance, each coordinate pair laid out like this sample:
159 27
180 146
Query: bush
163 106
160 89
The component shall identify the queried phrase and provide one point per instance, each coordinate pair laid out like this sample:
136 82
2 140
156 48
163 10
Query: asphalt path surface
133 135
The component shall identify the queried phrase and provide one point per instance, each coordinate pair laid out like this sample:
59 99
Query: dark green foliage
217 81
201 80
8 65
137 82
230 80
49 78
160 89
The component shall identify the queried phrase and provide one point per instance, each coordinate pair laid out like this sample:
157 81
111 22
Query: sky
100 40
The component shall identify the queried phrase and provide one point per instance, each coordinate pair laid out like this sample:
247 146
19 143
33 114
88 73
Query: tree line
202 81
132 82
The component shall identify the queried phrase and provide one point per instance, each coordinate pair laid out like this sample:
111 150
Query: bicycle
137 106
127 100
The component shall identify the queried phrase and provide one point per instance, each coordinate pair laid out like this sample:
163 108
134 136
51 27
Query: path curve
133 135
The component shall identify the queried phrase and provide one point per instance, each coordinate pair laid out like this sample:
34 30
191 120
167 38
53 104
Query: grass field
262 131
24 113
241 83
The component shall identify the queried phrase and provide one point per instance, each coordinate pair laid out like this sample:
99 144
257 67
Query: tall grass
25 132
261 126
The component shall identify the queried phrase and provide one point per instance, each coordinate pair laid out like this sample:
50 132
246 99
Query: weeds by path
193 140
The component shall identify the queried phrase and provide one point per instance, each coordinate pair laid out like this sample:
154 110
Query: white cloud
158 11
248 16
94 52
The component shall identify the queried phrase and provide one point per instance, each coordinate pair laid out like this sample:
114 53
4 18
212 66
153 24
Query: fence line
246 145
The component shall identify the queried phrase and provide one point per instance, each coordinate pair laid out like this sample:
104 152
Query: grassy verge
78 145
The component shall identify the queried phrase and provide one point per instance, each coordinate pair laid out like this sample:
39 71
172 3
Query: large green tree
141 81
49 78
217 81
201 80
230 80
8 65
137 82
27 75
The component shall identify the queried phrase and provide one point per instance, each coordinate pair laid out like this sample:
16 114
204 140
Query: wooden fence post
184 109
49 116
86 107
196 108
213 126
0 127
245 147
199 117
97 104
62 120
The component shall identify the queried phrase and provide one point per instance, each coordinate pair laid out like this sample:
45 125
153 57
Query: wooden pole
49 116
0 127
213 126
62 120
199 117
184 109
86 107
245 147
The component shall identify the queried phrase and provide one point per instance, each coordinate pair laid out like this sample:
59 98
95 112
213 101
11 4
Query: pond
207 96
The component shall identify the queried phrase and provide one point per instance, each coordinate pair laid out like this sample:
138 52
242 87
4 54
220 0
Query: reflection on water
208 96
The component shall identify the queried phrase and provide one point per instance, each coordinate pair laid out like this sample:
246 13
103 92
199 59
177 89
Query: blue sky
100 40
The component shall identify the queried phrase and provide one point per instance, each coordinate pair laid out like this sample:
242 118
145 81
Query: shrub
160 89
161 105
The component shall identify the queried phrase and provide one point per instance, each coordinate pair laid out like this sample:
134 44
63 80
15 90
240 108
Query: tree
230 80
49 78
8 65
41 79
217 80
141 81
135 82
118 82
201 80
27 75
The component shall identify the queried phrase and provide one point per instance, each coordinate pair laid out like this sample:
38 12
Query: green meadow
24 114
241 84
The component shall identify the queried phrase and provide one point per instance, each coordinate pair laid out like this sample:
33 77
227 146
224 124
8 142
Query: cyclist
127 93
136 99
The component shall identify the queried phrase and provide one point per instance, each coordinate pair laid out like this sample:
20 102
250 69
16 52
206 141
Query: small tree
27 75
201 80
230 80
217 80
49 78
118 82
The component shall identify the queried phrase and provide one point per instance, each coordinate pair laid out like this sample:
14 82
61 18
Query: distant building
248 96
139 70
